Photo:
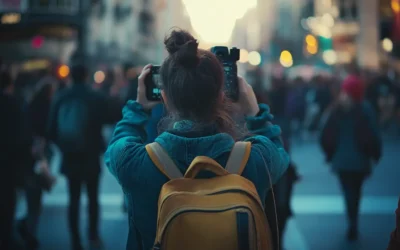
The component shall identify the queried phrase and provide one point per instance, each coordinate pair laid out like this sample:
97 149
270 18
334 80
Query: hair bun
182 46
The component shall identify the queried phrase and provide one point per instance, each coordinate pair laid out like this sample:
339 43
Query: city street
319 222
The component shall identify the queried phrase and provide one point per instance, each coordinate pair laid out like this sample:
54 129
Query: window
54 5
121 12
146 21
348 9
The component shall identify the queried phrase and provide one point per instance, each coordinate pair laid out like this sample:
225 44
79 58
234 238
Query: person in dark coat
15 141
278 203
77 116
351 142
38 178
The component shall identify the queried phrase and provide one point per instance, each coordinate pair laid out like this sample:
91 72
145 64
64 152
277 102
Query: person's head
79 74
192 82
6 82
352 91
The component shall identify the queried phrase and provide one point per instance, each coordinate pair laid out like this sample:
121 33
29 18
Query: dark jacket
15 143
345 133
152 125
394 243
101 110
128 161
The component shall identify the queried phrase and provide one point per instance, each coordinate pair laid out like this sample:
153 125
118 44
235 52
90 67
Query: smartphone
152 81
228 58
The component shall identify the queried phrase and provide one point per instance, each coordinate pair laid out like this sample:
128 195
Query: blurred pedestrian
278 202
14 142
394 243
296 105
77 116
351 142
39 177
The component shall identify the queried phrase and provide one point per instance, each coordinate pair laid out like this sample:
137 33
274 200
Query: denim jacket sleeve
126 149
267 143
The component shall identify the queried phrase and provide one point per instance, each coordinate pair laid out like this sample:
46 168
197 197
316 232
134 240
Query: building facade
354 31
38 29
170 14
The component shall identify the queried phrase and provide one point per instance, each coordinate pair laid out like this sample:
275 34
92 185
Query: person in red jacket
394 243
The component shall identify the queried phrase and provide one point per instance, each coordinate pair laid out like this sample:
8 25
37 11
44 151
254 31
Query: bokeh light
254 58
37 42
312 49
387 45
329 57
327 20
63 71
396 6
99 77
221 18
311 40
286 59
324 31
244 56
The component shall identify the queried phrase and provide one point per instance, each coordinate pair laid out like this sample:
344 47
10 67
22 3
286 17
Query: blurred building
170 14
132 31
123 31
362 31
267 30
37 29
111 31
106 34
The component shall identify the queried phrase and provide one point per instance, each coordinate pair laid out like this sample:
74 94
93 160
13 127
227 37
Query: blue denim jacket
128 161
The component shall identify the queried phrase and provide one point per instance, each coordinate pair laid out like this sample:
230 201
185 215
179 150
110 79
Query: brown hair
193 82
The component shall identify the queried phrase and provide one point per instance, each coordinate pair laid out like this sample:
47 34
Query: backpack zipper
178 212
223 191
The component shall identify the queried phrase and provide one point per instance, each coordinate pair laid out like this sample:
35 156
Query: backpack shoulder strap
238 158
162 161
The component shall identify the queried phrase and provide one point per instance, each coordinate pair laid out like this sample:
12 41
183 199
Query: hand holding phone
152 82
147 86
228 59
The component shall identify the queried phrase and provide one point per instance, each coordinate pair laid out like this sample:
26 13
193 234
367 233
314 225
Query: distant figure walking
77 116
351 142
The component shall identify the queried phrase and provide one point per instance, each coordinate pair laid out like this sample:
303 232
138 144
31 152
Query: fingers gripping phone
152 82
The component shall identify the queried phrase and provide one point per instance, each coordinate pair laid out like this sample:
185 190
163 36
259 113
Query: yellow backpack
224 212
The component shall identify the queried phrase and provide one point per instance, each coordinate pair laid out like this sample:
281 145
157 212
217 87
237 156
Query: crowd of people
70 117
195 120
